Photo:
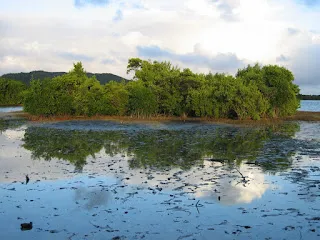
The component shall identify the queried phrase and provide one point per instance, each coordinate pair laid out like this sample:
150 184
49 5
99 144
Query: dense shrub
160 88
11 92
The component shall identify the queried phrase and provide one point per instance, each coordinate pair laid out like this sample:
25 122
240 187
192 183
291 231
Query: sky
203 35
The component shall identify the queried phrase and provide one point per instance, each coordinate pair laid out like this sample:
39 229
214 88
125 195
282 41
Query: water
11 109
103 179
310 106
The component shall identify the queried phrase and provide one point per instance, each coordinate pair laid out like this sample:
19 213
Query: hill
27 77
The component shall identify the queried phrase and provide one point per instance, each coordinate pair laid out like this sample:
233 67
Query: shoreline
299 116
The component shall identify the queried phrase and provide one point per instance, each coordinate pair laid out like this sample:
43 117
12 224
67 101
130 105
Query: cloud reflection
233 191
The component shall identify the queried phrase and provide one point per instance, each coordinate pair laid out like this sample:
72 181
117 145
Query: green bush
11 92
160 88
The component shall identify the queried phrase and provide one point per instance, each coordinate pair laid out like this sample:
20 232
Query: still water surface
103 179
310 106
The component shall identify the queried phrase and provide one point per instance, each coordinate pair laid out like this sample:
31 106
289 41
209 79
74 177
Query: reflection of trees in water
237 145
278 152
10 124
162 149
73 146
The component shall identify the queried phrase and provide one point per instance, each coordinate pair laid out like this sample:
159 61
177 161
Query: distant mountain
27 77
309 97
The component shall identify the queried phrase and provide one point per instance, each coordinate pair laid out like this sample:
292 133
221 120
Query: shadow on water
169 145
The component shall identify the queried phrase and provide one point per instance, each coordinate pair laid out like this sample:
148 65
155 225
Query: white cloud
49 35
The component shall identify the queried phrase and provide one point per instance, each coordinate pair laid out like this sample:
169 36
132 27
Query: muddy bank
305 116
13 115
299 116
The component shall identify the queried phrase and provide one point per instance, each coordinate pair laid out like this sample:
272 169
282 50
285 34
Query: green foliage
226 97
46 98
163 79
189 82
134 64
115 99
276 85
73 94
283 93
11 92
160 88
201 102
142 100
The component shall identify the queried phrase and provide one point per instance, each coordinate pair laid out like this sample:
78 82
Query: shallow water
103 179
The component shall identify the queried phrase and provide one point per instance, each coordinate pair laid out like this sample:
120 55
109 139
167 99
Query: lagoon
107 179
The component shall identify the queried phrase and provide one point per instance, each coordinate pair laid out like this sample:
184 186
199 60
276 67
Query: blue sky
203 35
309 2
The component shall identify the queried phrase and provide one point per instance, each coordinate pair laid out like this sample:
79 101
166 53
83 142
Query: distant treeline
162 89
26 78
309 97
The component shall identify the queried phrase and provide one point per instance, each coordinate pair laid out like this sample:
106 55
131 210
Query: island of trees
161 89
